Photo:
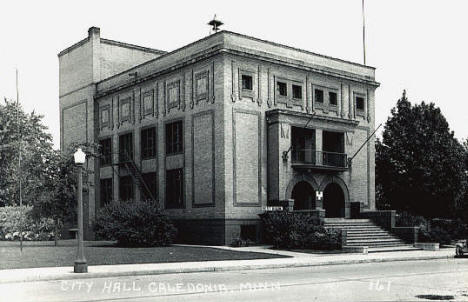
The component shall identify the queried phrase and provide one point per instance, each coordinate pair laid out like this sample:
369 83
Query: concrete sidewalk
296 260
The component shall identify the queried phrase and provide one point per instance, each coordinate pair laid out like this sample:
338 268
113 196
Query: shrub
239 242
435 230
298 230
134 223
15 219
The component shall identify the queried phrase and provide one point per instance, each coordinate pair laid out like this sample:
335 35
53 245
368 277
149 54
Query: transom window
174 138
148 143
247 82
297 91
282 88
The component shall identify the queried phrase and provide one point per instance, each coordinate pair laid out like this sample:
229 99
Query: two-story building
218 128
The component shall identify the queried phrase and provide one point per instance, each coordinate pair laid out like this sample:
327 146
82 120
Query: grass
45 254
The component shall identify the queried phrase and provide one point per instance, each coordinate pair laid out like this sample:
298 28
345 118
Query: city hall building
220 129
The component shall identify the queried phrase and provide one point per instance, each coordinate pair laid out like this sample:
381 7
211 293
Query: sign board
319 195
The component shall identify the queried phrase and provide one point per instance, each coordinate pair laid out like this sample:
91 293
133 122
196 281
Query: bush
298 230
15 219
443 231
134 223
239 242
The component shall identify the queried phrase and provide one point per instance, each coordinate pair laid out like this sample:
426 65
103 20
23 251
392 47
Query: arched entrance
334 201
304 196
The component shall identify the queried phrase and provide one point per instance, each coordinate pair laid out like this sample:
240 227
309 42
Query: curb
222 268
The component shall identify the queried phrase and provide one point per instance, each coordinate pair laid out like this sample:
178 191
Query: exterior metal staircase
127 162
363 232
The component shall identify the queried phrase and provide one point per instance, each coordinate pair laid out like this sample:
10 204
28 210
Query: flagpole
363 32
19 161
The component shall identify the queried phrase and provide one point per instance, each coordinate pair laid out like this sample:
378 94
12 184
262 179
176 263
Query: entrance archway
334 201
304 196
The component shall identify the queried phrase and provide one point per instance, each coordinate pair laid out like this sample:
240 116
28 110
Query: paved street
404 280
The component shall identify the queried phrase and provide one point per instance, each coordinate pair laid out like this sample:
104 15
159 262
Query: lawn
45 254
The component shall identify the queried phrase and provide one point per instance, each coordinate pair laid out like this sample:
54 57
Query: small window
318 95
126 188
106 190
148 104
125 110
126 147
174 189
106 152
333 97
359 103
247 82
174 138
150 182
105 119
297 91
148 143
282 88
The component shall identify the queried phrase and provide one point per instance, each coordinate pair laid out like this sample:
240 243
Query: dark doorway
304 196
333 201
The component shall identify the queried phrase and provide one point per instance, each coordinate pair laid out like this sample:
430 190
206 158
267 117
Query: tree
26 134
419 163
58 197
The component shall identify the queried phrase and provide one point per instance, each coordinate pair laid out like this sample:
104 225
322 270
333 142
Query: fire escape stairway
363 232
136 175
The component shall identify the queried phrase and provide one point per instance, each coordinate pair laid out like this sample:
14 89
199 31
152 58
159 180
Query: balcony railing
314 158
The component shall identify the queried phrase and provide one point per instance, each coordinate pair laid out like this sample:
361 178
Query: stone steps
363 232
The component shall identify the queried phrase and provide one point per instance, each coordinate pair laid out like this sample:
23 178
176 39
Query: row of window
174 188
174 144
282 90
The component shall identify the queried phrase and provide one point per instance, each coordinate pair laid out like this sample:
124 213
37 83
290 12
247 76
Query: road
391 281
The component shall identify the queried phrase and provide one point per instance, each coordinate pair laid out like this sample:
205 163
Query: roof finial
215 23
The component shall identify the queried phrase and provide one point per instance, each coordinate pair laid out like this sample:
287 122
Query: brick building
219 128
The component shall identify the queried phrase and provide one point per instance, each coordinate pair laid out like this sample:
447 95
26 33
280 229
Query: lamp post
80 263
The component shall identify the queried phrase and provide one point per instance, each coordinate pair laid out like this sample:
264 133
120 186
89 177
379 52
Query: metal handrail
319 158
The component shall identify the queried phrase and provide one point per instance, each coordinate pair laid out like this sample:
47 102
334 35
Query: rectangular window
174 138
148 143
297 91
150 182
282 88
126 188
174 189
247 82
359 103
318 95
106 152
106 190
125 110
125 147
333 97
105 112
148 103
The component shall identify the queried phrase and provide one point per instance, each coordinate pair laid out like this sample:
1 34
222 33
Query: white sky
417 45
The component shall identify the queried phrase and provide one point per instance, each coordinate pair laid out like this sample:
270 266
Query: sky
417 45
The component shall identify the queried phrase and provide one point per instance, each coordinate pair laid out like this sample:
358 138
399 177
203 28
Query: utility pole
19 161
363 32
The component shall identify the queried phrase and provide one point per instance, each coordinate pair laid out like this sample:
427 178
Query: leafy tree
58 198
419 164
26 134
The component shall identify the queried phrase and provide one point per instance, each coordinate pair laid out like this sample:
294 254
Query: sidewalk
296 260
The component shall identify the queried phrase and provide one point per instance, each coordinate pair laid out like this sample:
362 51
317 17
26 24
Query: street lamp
80 263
